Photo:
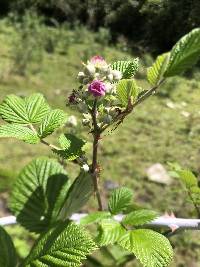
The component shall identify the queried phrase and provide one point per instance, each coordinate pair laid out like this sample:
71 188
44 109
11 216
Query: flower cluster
97 83
99 77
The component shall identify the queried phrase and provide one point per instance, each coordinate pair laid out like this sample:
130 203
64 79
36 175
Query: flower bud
90 69
86 80
97 88
107 119
82 107
110 77
117 75
86 122
81 76
72 121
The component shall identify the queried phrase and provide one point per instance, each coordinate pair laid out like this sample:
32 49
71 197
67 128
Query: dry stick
160 222
94 167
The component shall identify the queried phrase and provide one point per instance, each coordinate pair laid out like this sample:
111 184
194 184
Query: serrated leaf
110 231
120 199
139 217
78 194
8 256
150 247
20 132
188 178
127 90
94 217
184 54
127 68
19 110
39 193
156 71
36 107
72 147
65 245
53 120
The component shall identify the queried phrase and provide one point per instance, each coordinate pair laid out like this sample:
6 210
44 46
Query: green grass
153 133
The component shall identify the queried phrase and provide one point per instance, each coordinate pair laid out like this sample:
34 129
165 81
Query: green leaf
151 248
120 199
19 110
184 54
139 217
78 195
127 68
66 245
156 71
20 132
95 217
72 147
53 120
110 231
36 107
127 90
8 256
39 194
188 178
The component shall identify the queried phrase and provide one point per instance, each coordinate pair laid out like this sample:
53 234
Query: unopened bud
110 77
117 75
90 69
80 76
107 119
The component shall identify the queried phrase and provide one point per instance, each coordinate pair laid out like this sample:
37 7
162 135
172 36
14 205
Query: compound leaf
39 194
150 247
66 244
20 110
184 54
8 256
72 146
156 71
120 199
127 90
127 68
53 120
139 217
78 194
20 132
110 231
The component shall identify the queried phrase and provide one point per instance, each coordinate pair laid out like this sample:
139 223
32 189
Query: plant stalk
94 167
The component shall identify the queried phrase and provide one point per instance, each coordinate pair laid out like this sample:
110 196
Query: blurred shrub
141 21
28 43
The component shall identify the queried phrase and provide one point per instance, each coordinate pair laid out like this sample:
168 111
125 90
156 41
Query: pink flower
97 88
98 61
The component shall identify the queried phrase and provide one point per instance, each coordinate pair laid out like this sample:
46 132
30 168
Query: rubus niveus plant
44 199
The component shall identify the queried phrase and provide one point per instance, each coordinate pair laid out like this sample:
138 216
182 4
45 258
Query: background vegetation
41 46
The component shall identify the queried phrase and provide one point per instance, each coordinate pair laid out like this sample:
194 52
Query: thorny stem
94 166
119 118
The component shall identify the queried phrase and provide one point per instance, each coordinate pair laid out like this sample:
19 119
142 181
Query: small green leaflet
127 90
53 120
110 231
120 199
95 217
184 54
27 110
72 147
139 217
150 247
20 132
155 73
128 68
78 194
188 178
39 193
8 256
66 245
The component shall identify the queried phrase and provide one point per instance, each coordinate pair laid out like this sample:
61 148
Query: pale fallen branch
162 221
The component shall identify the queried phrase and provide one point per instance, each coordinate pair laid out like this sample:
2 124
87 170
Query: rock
110 185
158 174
